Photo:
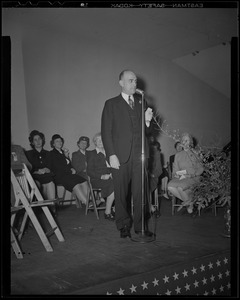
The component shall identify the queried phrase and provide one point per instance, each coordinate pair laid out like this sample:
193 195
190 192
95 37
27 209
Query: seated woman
187 169
79 158
38 157
100 175
65 174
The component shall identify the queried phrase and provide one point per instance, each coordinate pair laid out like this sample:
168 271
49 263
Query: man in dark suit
122 139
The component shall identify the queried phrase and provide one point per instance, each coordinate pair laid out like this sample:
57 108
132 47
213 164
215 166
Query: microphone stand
142 237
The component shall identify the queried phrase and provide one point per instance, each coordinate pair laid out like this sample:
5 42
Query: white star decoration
204 281
133 288
187 287
168 293
210 265
206 293
221 288
155 282
109 293
178 290
220 275
185 273
225 260
202 268
121 291
194 270
214 291
227 273
229 285
175 276
212 278
196 283
166 279
218 263
144 285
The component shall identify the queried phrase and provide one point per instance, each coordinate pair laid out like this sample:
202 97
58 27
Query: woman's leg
49 191
184 194
109 203
80 192
175 192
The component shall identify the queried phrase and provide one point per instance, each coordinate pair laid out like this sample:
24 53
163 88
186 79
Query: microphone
138 91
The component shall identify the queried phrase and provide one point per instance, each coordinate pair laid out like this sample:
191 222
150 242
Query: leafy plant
215 183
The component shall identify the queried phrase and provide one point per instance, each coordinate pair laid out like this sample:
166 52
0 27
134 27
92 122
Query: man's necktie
131 102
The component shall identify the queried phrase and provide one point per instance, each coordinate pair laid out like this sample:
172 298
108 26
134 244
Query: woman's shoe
165 195
109 217
157 213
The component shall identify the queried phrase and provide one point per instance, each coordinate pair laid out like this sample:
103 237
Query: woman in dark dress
38 157
65 174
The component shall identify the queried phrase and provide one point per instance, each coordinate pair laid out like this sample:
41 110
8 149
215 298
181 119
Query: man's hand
148 116
114 162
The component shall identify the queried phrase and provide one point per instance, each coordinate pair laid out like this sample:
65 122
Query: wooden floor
93 252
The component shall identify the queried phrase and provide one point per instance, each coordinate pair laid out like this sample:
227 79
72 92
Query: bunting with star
205 276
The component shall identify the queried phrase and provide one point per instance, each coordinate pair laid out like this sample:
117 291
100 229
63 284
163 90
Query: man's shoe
125 232
146 232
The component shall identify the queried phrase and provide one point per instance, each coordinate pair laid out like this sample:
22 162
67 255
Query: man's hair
122 73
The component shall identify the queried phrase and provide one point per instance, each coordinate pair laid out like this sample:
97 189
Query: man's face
128 83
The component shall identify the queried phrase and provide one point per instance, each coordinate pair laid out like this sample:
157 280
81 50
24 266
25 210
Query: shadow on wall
150 102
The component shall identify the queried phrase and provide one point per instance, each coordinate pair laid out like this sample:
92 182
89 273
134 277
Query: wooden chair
175 203
62 199
28 197
94 194
14 239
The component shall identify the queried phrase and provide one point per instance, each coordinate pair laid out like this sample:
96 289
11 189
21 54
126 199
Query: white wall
61 83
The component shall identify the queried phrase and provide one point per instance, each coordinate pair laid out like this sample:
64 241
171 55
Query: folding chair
94 194
28 196
63 199
14 240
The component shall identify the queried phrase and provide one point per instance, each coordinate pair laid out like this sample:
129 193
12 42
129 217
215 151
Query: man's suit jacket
117 128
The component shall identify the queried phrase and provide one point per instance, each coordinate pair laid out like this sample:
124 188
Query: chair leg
173 204
15 245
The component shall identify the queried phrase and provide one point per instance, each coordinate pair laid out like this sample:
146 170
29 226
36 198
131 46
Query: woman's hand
66 152
73 171
106 176
46 170
40 171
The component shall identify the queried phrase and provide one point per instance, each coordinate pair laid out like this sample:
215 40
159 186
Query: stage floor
93 252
